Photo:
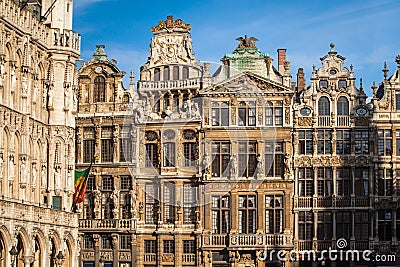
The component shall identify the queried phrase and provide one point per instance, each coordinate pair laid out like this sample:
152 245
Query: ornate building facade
194 168
38 53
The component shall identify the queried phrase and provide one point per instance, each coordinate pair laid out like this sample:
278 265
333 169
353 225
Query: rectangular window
324 182
273 214
342 84
57 205
385 182
324 145
125 241
397 101
343 179
273 116
220 114
247 114
343 224
274 159
169 246
397 142
306 182
384 142
305 142
106 242
247 214
125 152
343 142
189 203
88 144
397 189
152 155
361 181
305 225
361 222
151 204
247 159
88 242
107 183
169 203
150 246
221 156
189 247
324 226
361 142
90 183
169 154
323 84
220 215
107 148
125 182
385 225
190 154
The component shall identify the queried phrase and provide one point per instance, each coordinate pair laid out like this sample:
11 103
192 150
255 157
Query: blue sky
366 32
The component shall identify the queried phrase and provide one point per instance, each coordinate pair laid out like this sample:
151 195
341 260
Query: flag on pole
81 178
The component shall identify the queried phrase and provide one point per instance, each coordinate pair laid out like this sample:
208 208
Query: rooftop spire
385 70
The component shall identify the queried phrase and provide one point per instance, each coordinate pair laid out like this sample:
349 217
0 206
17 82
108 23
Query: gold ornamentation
169 24
306 121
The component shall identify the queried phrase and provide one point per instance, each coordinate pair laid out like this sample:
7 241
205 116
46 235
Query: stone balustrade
33 213
87 224
172 84
331 202
247 240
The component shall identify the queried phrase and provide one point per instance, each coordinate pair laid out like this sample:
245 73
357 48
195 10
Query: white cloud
82 3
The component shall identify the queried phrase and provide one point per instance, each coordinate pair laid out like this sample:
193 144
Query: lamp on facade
102 261
13 253
60 259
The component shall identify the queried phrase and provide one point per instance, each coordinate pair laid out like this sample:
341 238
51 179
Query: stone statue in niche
233 166
2 74
11 169
13 79
97 202
133 199
115 200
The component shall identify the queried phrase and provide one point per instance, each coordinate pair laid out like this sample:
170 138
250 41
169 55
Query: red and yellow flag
81 178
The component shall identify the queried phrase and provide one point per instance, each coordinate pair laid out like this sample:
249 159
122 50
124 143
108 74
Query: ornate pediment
247 83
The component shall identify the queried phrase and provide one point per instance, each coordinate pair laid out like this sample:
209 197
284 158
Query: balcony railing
343 121
188 258
247 240
106 224
331 202
150 257
324 120
174 84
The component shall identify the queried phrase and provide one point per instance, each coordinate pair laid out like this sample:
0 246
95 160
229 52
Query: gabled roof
246 83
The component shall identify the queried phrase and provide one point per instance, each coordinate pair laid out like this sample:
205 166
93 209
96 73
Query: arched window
324 106
157 74
175 75
166 74
185 73
343 106
125 99
99 89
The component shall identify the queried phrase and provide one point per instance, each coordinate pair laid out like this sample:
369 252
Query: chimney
281 60
301 82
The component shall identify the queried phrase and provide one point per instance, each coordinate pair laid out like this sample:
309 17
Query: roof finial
351 67
361 85
398 61
132 78
374 89
332 45
385 70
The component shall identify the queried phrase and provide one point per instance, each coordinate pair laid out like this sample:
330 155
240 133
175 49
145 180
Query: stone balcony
29 212
247 240
104 107
192 83
319 245
106 224
331 202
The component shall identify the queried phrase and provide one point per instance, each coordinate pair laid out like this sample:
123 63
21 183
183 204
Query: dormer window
323 84
99 89
342 84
